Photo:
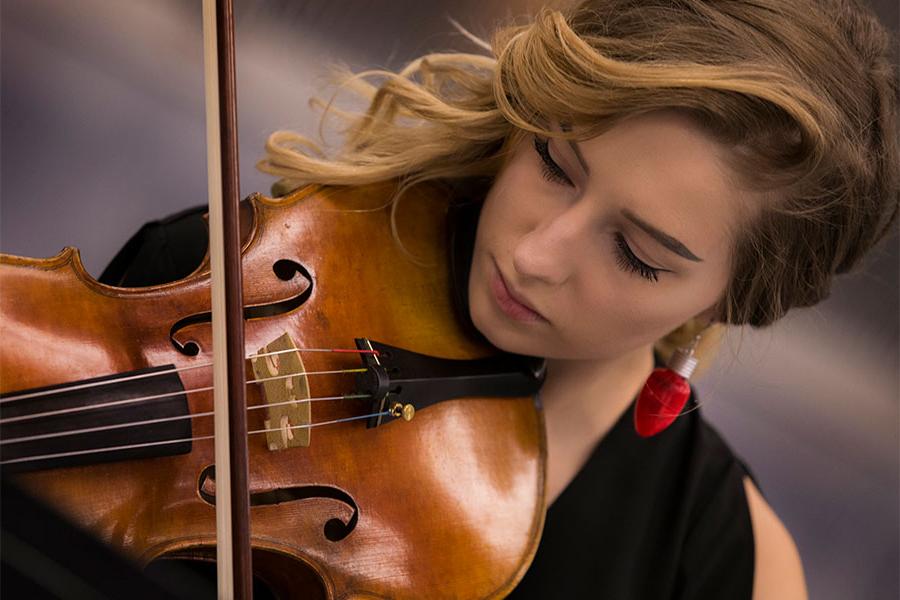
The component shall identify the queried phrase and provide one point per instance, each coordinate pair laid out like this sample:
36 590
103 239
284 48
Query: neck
595 393
582 400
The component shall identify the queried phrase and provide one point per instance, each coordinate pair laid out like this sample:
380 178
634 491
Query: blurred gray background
103 129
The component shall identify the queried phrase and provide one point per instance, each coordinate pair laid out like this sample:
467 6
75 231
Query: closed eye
629 262
550 169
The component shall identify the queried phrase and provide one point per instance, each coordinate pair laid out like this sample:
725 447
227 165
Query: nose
550 252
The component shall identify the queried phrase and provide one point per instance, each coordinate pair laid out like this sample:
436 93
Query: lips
511 303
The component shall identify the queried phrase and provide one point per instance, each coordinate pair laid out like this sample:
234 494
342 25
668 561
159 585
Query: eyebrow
663 238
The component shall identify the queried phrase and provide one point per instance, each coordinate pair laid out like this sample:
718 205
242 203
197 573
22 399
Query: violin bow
234 570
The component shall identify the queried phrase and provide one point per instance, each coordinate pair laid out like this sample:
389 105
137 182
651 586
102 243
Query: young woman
644 174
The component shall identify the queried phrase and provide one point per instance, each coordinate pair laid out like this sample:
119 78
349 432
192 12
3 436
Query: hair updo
803 92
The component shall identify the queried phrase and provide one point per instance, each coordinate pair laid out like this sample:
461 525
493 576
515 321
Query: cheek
509 195
626 315
503 215
620 315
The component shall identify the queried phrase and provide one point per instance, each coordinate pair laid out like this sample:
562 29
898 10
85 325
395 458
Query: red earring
665 393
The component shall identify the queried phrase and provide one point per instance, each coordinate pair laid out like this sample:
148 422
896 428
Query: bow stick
233 510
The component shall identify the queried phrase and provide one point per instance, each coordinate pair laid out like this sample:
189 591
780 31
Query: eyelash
625 258
550 170
629 262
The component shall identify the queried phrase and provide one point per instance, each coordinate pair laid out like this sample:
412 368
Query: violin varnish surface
448 505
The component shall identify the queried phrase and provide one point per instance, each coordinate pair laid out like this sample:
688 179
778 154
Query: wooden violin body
449 505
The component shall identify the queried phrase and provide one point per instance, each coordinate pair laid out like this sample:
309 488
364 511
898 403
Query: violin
391 453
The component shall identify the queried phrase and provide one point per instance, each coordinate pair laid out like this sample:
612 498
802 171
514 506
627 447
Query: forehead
668 171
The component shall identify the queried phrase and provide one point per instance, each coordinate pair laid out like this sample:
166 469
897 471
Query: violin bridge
280 369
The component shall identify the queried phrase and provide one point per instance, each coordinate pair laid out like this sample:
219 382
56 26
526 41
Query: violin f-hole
285 270
334 529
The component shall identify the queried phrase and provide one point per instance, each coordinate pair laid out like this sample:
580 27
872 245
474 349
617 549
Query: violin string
78 409
183 440
81 386
31 438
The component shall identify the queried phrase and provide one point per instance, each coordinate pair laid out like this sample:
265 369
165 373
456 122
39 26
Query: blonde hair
802 92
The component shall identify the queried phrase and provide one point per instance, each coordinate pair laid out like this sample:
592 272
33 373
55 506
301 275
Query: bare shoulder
778 572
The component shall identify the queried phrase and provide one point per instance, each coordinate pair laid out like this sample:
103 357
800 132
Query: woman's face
611 242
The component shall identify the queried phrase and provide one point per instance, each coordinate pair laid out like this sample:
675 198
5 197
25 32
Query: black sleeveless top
658 518
664 517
